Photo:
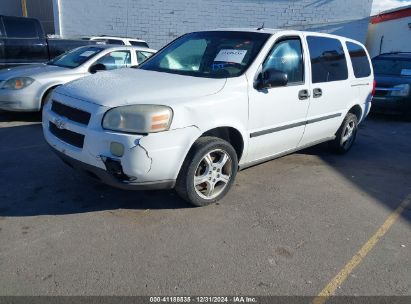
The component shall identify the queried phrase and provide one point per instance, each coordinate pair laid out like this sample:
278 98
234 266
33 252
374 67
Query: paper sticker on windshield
227 55
87 53
406 72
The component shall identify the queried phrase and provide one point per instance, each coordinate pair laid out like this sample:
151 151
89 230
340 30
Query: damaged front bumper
111 175
151 161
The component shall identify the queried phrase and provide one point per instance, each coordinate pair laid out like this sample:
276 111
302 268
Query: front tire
208 171
346 134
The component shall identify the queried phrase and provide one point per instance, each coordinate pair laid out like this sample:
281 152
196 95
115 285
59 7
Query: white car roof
275 31
117 38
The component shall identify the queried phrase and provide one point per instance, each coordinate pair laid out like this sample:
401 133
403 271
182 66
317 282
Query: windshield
397 67
209 54
76 57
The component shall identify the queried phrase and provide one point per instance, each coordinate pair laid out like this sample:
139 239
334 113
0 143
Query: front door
277 115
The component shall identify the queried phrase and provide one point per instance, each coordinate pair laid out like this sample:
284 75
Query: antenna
261 28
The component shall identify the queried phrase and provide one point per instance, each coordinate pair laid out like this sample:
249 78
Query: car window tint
143 56
75 57
213 54
186 57
115 60
287 57
20 28
139 43
392 66
359 59
115 41
328 62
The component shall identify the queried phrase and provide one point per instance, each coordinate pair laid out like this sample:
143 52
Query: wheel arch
46 91
357 111
229 134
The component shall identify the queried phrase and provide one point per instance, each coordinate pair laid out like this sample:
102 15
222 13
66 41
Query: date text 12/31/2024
203 299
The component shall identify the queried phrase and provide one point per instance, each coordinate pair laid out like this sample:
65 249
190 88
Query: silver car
28 88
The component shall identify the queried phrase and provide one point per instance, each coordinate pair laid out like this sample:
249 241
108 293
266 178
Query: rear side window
328 61
359 59
115 41
143 56
20 28
139 43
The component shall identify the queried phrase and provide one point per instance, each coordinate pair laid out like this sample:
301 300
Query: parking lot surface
286 228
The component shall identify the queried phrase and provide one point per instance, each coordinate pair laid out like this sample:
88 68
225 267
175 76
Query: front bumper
24 100
152 161
110 179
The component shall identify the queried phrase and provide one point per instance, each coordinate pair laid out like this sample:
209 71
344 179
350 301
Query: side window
115 41
20 27
139 43
359 59
143 56
287 57
115 60
328 61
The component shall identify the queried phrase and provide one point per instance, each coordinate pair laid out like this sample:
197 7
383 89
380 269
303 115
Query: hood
31 70
134 86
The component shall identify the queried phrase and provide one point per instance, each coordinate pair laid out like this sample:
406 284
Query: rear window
139 43
395 66
359 59
328 61
20 27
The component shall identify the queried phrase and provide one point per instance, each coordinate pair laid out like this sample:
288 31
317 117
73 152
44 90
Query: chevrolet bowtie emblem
60 123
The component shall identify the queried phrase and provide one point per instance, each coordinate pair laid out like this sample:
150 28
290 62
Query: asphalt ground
288 227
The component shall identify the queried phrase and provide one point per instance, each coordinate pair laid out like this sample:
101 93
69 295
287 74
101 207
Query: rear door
362 79
330 88
25 42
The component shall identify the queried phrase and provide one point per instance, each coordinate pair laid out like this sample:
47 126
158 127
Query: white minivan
211 103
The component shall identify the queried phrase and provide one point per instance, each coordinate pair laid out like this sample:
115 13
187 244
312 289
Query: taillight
374 85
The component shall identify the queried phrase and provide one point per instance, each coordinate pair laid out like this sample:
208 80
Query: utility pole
24 8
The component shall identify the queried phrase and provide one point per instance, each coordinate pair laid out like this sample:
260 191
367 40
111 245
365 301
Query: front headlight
401 90
138 119
18 83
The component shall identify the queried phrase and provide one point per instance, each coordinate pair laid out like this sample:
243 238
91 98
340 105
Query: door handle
317 93
303 94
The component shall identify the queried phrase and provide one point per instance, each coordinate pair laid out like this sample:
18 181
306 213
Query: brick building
160 21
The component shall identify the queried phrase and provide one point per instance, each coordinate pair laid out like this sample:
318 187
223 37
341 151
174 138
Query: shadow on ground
33 181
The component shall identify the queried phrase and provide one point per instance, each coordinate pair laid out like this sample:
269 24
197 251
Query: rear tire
208 171
346 134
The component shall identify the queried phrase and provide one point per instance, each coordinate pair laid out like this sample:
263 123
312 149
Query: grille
73 114
67 136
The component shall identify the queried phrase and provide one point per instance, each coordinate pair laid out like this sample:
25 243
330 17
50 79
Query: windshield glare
76 57
397 67
209 54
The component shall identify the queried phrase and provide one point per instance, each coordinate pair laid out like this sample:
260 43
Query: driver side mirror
271 78
97 67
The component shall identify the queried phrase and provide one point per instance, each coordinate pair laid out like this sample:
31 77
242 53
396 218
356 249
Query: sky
383 5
